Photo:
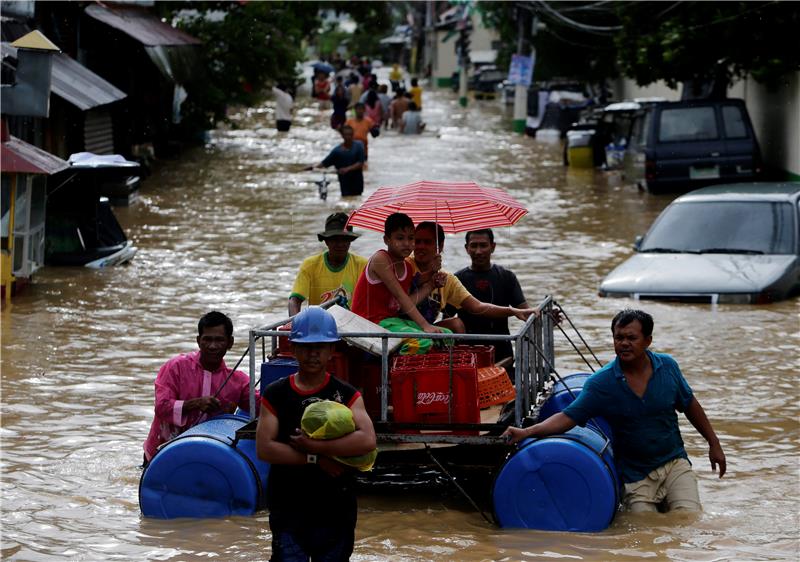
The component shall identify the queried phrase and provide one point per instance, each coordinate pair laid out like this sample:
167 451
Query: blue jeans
322 544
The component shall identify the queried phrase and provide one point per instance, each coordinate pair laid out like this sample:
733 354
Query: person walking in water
340 103
638 394
283 108
192 387
411 123
348 158
310 494
416 93
361 125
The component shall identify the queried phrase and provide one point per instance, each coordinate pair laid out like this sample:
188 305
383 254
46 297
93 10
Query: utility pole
463 63
521 90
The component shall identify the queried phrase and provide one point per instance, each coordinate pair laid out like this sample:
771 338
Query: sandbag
327 419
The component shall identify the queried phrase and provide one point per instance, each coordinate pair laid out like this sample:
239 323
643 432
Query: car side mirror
637 242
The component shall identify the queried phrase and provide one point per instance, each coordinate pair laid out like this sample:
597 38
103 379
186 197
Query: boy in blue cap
310 496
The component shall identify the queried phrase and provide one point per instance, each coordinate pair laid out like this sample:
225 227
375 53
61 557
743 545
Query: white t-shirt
283 105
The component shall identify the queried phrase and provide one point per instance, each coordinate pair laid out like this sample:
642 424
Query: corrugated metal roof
19 157
80 86
75 83
141 25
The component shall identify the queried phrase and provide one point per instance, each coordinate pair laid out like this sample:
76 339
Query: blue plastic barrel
203 473
275 369
564 393
560 483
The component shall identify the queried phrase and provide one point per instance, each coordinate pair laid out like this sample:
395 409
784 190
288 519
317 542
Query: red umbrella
456 206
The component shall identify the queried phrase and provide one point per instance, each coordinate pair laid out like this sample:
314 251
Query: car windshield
723 227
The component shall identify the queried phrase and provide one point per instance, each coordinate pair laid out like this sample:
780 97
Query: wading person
283 108
332 273
361 125
638 394
310 496
348 159
187 387
489 283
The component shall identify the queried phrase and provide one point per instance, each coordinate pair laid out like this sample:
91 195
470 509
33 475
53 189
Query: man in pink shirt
187 388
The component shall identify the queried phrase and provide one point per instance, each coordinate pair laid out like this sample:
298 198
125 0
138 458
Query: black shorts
283 125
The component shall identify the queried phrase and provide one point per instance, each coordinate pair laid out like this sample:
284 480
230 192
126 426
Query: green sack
327 419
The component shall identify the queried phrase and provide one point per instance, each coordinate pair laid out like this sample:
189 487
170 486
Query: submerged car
735 243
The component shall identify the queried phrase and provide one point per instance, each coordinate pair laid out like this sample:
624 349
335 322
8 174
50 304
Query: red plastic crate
284 345
338 366
484 354
421 389
367 380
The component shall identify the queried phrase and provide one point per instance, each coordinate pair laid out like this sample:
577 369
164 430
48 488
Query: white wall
775 114
445 62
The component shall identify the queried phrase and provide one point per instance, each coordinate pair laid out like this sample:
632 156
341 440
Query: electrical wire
595 29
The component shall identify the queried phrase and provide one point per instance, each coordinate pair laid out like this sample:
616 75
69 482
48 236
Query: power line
596 29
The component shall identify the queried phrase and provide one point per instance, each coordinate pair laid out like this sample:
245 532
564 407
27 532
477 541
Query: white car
735 243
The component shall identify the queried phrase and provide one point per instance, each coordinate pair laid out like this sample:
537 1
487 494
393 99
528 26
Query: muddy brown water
225 227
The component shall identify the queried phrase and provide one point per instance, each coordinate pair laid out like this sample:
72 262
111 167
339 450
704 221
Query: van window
734 122
688 124
641 124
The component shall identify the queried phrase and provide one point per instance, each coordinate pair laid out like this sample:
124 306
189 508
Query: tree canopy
695 42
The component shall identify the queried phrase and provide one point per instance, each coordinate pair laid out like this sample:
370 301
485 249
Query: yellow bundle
327 419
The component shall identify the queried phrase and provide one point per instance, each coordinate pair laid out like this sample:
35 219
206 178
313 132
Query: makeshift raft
430 427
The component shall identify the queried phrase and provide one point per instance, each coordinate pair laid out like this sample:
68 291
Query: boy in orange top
361 126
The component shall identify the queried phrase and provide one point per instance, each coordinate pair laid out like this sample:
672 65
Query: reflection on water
226 227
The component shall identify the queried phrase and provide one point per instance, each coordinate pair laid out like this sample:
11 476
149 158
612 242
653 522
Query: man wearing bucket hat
310 496
638 394
332 273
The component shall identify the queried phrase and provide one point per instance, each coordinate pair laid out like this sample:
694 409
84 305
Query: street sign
521 71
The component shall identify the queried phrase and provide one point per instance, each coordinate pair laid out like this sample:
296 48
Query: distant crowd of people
361 108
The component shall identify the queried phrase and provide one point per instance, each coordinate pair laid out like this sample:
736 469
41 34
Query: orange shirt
361 128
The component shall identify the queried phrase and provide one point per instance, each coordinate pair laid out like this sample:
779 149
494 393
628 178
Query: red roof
19 157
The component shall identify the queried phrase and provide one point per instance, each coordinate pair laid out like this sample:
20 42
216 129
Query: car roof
754 191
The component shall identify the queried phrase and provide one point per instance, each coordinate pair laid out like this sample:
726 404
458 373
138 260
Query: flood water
226 226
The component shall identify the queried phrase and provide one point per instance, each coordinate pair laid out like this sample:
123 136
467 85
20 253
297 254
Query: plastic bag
330 420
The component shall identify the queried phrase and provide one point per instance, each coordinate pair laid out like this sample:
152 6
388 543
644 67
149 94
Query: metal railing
535 357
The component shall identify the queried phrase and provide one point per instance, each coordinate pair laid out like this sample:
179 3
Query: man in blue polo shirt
638 394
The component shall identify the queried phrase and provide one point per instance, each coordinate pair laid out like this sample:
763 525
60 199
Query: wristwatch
311 459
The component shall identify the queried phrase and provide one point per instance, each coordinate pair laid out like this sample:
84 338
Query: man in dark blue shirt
638 394
490 283
348 158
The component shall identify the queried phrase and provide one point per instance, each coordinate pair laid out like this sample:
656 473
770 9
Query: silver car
721 244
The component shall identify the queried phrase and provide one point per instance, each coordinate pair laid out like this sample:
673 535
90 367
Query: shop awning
75 83
80 86
19 157
141 25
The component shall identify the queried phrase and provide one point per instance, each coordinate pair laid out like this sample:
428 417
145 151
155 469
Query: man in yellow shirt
324 276
416 93
427 261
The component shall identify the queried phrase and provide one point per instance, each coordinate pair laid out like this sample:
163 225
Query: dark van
683 145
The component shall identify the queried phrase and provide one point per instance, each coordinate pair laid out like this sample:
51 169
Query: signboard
521 71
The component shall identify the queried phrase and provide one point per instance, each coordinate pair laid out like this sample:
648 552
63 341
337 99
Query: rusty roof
141 25
19 157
